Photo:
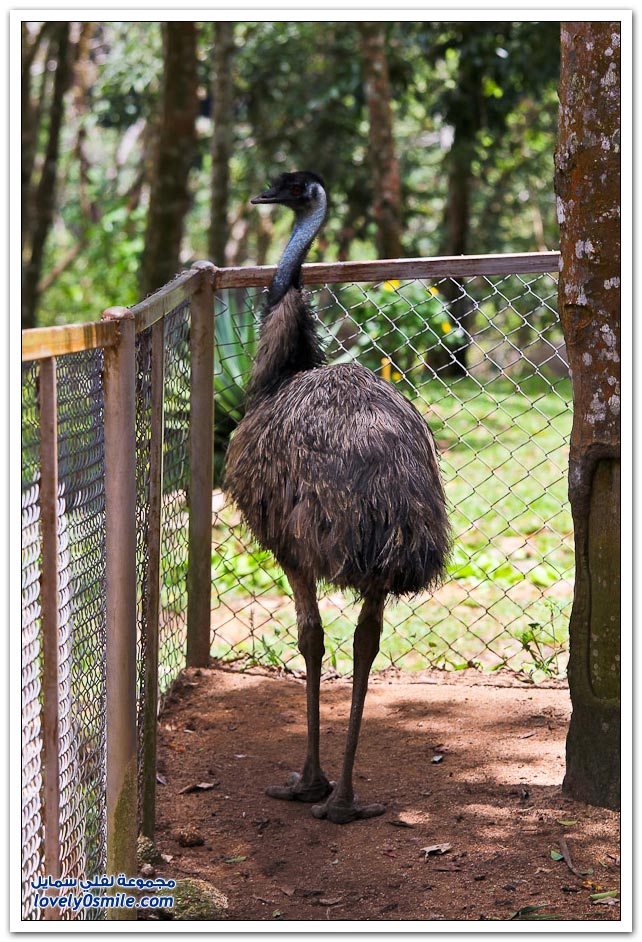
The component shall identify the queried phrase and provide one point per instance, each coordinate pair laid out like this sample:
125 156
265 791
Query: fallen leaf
401 824
262 899
288 890
277 914
330 902
160 778
235 859
437 759
531 912
598 897
527 735
435 849
198 787
569 862
566 824
167 857
555 855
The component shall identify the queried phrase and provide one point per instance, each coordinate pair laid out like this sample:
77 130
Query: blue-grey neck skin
306 225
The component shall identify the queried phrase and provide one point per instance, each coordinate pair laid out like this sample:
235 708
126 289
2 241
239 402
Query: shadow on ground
495 797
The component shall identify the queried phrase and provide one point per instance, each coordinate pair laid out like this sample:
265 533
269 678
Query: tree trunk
30 112
44 200
587 183
176 147
385 169
459 161
222 138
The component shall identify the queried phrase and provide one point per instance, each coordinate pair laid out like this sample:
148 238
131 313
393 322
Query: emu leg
311 784
343 806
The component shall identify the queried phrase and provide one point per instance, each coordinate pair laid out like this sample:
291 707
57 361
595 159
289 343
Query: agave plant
236 332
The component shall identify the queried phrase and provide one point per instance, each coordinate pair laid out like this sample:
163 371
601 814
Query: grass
507 599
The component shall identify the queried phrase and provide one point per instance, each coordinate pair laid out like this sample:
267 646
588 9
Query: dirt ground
494 797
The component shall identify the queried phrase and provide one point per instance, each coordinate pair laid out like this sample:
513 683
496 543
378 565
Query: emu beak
268 196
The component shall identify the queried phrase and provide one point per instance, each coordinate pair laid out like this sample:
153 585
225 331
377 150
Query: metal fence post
201 456
48 400
151 601
120 518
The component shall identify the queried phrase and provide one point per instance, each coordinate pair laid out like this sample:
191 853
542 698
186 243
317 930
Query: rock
147 870
146 851
197 899
188 837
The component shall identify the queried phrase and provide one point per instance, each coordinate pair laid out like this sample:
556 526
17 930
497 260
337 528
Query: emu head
302 191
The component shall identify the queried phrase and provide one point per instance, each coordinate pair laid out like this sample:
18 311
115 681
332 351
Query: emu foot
341 811
298 789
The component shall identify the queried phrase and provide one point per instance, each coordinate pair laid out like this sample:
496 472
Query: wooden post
201 461
48 399
151 600
120 517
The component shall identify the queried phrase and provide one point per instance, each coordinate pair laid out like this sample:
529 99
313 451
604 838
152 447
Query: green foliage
321 122
408 315
235 347
509 585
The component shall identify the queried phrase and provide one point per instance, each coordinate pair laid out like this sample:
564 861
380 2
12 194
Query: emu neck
288 345
288 273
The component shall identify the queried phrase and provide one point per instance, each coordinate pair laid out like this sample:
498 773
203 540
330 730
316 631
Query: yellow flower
390 285
432 290
396 376
446 328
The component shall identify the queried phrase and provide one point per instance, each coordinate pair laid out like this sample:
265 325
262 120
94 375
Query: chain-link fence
81 622
483 359
81 566
32 826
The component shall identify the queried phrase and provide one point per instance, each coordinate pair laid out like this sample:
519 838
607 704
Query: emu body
336 473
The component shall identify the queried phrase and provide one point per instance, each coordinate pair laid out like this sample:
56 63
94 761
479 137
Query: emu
335 472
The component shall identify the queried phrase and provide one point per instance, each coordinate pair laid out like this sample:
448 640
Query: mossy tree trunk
587 183
175 152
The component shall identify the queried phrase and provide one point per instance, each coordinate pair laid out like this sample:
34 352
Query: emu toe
298 789
343 812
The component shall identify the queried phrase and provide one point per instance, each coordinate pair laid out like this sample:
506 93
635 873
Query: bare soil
495 797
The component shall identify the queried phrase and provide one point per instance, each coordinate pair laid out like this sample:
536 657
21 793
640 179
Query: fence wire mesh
174 539
143 449
32 824
483 359
82 617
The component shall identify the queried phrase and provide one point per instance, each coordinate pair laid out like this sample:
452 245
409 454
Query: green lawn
507 599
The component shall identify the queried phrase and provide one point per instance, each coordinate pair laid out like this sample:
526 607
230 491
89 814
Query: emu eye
296 189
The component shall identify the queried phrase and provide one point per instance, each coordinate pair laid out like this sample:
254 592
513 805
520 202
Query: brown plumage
336 473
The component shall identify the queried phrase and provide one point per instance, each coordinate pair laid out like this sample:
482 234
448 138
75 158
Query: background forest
143 142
